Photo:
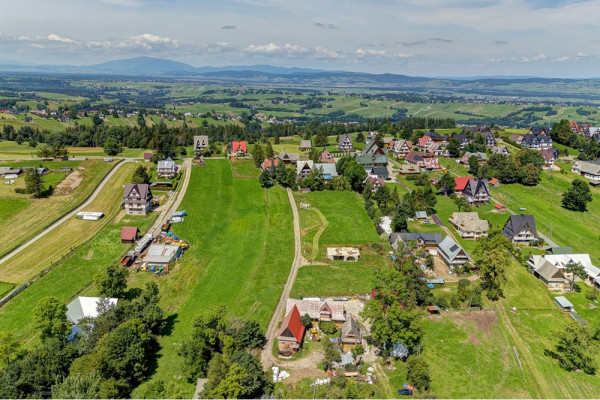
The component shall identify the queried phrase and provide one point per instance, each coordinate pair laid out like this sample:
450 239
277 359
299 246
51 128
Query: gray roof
284 155
200 141
550 272
350 327
516 223
167 164
9 170
450 249
563 302
428 238
162 254
305 143
85 307
327 169
421 214
589 167
300 166
380 171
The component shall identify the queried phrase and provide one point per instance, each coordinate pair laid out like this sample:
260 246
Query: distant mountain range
521 86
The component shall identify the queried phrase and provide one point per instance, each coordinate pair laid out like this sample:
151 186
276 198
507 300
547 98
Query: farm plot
58 243
244 169
241 251
31 220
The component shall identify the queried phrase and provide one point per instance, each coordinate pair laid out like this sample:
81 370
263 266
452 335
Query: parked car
405 392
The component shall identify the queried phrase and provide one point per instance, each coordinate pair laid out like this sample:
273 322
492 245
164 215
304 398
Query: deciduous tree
577 196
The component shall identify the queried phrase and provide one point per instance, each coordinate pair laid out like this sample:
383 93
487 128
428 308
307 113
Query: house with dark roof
463 140
137 199
537 141
305 145
373 155
538 130
437 138
427 240
549 155
291 333
490 139
345 142
289 158
479 129
375 182
520 229
518 139
380 172
452 253
200 143
351 334
476 191
501 150
482 158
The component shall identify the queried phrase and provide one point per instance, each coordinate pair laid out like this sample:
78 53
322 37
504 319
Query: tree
382 196
113 282
140 175
446 184
9 349
577 270
418 372
360 137
530 175
561 132
251 335
332 354
111 147
50 316
257 155
34 184
306 321
314 155
358 350
453 148
269 153
141 121
462 204
492 270
356 174
340 183
577 196
473 165
321 139
78 386
399 222
265 179
575 349
96 120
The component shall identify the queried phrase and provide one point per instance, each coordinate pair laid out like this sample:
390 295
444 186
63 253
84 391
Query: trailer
180 214
128 259
176 220
144 242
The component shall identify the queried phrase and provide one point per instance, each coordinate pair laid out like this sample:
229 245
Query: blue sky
413 37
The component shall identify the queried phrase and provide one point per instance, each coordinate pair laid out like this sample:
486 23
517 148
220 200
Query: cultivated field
12 150
30 220
241 250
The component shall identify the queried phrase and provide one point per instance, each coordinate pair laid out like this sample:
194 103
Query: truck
176 220
128 259
180 214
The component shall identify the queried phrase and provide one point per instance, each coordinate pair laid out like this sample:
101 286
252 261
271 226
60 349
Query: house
239 148
137 198
476 191
552 276
490 139
400 148
424 144
87 307
520 228
345 142
574 127
537 141
166 168
319 310
561 261
536 130
463 140
587 169
343 254
326 157
148 157
351 334
501 150
452 253
304 168
409 169
495 182
328 170
28 119
479 129
427 240
305 145
291 333
550 155
437 138
563 303
380 172
424 161
4 171
469 225
288 158
482 158
269 163
518 139
372 155
387 142
129 234
200 143
375 182
162 254
421 215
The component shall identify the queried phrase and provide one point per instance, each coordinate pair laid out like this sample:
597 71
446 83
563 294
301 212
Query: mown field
13 150
28 221
69 235
241 250
75 272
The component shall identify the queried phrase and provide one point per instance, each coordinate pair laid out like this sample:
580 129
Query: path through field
175 199
66 216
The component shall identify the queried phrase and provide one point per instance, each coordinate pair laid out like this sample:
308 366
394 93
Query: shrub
328 327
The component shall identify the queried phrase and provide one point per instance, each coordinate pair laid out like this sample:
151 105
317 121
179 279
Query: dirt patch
68 184
119 217
440 269
89 255
482 320
474 339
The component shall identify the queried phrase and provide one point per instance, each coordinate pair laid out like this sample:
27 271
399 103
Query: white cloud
56 38
271 48
123 3
561 59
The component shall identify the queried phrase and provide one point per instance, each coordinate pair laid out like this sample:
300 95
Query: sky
547 38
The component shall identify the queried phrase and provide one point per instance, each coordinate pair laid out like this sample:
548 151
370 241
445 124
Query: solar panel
454 248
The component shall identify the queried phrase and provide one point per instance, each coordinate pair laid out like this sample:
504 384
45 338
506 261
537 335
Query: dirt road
67 216
175 199
266 356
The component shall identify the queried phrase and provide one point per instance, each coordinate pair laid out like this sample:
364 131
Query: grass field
245 169
5 288
30 220
241 250
10 149
68 236
12 206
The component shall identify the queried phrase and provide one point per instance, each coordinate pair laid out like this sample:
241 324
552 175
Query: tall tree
258 155
269 153
140 175
473 165
453 148
418 372
34 184
575 349
577 196
50 316
111 147
446 184
492 270
113 282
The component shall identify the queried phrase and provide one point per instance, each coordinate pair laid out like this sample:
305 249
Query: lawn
50 248
245 169
29 221
10 149
5 288
12 206
241 250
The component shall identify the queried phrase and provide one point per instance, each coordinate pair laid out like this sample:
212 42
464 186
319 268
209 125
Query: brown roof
136 193
129 233
313 308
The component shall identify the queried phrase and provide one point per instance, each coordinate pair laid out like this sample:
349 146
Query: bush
592 294
328 327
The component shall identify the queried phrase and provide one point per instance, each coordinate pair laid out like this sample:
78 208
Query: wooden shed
129 234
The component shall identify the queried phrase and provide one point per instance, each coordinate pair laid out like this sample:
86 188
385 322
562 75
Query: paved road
266 356
175 200
65 217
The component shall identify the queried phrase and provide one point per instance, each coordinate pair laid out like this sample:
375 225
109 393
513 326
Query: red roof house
269 163
239 147
291 334
461 183
129 234
148 156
